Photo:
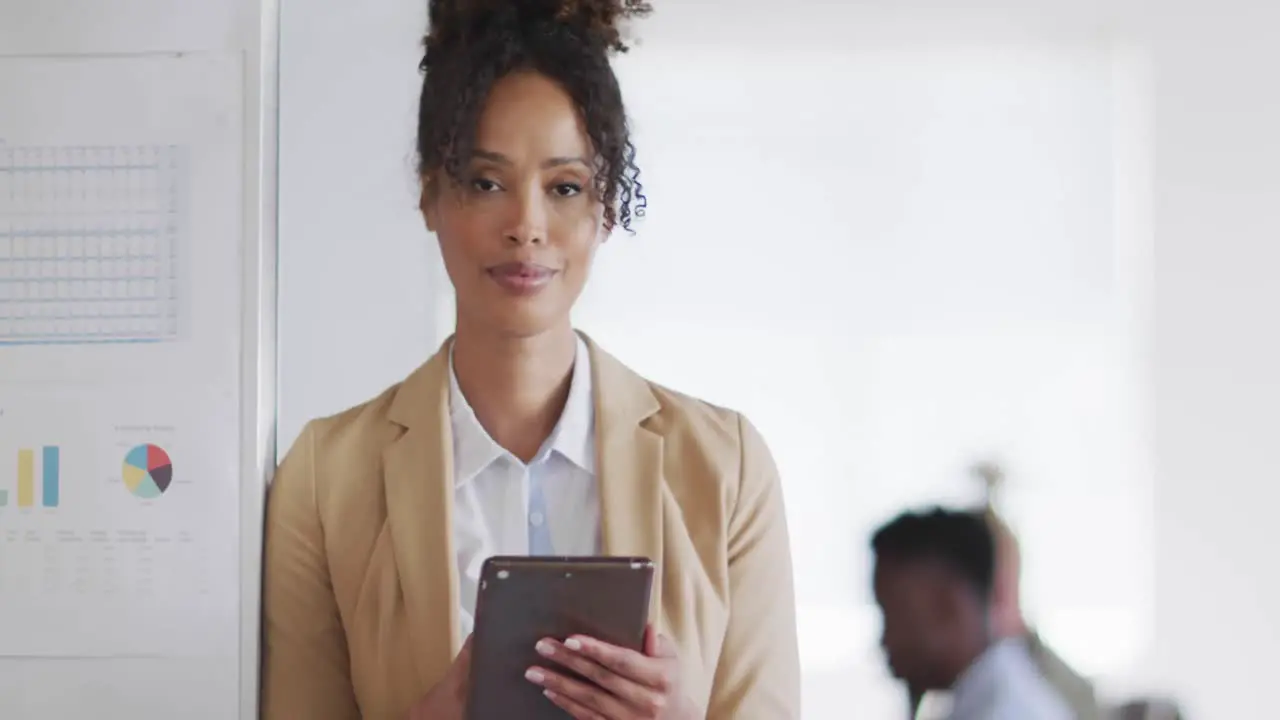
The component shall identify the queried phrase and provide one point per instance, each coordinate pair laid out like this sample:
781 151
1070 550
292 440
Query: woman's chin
521 325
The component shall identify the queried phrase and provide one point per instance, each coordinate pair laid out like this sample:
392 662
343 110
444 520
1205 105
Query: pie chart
148 472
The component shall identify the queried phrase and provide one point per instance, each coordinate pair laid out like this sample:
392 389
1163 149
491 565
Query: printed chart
90 244
48 459
111 520
147 472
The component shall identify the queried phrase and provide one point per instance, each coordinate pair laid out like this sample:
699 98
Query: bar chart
90 244
50 486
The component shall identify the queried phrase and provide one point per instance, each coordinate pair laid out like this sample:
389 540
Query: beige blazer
361 586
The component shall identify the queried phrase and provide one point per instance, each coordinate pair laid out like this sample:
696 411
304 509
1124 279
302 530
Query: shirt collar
573 437
972 691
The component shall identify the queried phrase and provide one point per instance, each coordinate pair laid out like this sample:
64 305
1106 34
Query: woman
522 436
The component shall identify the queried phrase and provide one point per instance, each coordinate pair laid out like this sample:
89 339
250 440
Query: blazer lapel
629 456
418 472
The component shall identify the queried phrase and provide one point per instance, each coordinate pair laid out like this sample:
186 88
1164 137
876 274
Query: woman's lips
521 278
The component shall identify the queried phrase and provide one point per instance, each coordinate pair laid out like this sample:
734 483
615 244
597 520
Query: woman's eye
484 185
567 189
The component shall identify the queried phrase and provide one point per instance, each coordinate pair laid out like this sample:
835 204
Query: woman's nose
529 223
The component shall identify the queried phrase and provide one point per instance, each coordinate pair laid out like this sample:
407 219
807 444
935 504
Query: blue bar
50 476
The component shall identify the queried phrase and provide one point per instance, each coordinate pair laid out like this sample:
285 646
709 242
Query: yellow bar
26 478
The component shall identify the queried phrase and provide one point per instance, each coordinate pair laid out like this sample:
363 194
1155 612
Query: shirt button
535 519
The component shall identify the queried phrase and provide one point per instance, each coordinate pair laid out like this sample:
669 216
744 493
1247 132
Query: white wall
1217 355
355 284
899 237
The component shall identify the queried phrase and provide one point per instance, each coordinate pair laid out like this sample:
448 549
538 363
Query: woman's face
519 231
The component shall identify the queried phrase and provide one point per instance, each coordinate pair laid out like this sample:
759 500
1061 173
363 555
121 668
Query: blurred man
934 579
1007 621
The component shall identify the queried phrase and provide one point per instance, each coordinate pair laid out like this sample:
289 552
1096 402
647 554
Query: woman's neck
517 387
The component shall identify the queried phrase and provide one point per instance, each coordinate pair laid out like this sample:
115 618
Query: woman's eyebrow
500 159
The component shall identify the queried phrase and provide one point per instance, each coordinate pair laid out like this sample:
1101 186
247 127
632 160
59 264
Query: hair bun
601 21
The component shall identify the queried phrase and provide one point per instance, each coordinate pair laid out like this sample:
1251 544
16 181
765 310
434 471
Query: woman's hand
625 685
448 699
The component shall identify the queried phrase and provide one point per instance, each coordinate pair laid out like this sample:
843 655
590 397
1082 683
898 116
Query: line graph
90 244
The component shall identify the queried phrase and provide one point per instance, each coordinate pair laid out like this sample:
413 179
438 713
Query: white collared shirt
497 506
1005 684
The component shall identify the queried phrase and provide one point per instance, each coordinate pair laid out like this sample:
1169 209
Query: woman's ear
606 227
427 201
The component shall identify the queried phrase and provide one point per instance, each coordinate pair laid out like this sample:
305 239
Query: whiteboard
136 355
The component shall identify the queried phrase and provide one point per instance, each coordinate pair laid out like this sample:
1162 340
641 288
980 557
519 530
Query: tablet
524 599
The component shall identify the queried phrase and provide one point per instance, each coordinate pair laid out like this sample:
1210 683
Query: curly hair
472 44
961 541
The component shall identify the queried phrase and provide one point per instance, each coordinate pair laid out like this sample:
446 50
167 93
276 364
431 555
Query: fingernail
534 676
573 644
544 648
550 695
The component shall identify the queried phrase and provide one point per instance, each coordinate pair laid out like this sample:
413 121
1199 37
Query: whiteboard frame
258 338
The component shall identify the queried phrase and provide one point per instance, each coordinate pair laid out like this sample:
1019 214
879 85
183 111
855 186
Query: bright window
897 266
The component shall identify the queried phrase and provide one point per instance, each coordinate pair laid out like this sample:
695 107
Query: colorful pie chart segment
148 472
